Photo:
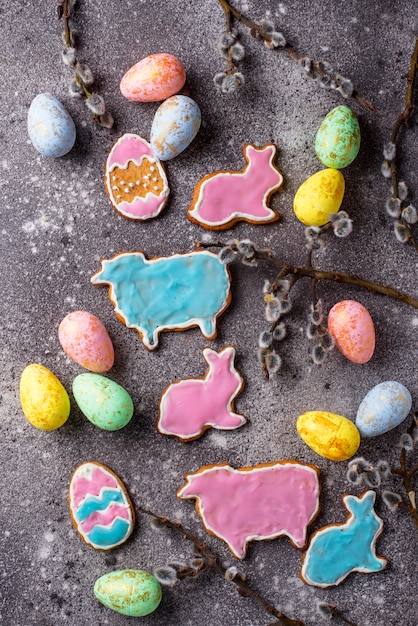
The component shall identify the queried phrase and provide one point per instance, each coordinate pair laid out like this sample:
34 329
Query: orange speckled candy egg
155 78
320 195
85 339
351 325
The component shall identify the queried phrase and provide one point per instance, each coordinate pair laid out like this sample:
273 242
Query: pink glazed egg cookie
154 78
189 407
225 197
255 503
135 179
351 325
85 339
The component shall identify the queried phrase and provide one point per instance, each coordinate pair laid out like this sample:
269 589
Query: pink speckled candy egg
85 339
155 78
351 325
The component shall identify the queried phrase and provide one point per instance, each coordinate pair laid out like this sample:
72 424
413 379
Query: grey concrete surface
57 223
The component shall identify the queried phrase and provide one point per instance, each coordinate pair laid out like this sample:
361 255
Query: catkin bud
393 207
410 214
68 56
402 190
237 51
385 169
389 151
218 79
391 499
278 40
232 82
85 73
401 232
96 104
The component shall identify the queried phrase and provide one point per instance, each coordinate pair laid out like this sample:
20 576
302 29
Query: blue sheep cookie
166 293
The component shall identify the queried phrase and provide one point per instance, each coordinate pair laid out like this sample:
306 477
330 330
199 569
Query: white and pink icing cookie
225 197
189 407
100 506
255 503
135 179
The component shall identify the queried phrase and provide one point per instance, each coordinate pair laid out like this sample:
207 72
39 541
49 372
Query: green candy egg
132 592
338 138
105 403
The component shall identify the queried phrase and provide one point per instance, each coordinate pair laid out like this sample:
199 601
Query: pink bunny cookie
189 407
225 197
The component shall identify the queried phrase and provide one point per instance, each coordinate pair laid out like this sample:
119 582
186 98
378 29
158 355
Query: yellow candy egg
320 195
330 435
44 400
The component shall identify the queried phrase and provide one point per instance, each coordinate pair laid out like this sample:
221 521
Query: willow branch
303 271
257 29
212 561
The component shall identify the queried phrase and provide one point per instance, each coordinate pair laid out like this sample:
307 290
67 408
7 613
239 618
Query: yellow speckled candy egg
351 325
320 195
44 400
330 435
338 138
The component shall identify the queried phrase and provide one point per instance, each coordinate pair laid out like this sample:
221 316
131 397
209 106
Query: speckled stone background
56 224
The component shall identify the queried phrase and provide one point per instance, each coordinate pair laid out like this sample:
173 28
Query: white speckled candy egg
85 339
175 125
383 408
320 194
44 400
50 126
338 138
351 325
105 403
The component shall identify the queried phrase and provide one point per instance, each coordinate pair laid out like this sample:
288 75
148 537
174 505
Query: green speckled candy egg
105 403
338 138
131 592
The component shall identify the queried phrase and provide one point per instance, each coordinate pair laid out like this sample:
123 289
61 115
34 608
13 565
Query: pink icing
82 487
228 196
262 502
129 148
143 207
190 405
105 518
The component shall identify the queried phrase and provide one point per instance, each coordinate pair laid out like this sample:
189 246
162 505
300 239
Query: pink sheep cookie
255 503
189 407
135 179
223 198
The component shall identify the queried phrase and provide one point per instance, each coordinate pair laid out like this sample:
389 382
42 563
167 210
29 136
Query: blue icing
93 503
174 292
338 550
109 535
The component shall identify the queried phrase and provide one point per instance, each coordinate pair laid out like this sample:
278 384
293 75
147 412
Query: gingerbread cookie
189 407
223 198
339 549
100 506
255 503
166 293
135 180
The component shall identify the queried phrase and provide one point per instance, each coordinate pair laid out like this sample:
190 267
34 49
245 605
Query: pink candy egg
85 339
351 325
155 78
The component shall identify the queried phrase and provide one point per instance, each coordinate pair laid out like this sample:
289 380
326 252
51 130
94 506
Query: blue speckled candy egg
338 138
383 408
50 126
175 125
